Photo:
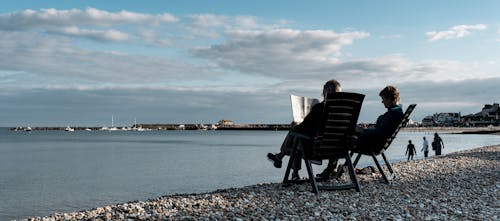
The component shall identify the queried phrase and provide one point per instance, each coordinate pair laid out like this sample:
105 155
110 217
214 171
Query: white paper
301 106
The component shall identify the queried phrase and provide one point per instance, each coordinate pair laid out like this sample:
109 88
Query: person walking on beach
308 127
410 150
425 148
437 144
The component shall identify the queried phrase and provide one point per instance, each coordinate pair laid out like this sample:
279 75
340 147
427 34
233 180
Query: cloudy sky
79 62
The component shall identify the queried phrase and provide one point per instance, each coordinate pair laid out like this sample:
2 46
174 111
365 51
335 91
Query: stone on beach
462 185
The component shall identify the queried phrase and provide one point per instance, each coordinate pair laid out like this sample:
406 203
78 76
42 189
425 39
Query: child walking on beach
425 148
410 150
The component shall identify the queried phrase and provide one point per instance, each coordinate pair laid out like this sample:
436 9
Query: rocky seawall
458 186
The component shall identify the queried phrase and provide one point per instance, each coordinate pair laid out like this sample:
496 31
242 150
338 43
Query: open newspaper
301 106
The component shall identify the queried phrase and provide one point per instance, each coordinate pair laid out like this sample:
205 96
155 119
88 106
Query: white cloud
458 31
151 38
279 52
99 35
290 55
246 22
54 60
88 23
205 24
209 25
53 18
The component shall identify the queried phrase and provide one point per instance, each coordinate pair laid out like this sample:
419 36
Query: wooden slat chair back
334 137
392 174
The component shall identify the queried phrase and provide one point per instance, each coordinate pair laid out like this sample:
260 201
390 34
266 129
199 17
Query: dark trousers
410 156
289 145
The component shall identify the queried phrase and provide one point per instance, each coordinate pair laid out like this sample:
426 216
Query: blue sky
79 62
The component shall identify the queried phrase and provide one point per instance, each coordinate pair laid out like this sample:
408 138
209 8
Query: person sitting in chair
308 127
373 139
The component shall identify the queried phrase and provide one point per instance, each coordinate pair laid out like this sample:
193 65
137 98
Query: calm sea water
44 172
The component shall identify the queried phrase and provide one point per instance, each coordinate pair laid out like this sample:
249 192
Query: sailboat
135 128
112 128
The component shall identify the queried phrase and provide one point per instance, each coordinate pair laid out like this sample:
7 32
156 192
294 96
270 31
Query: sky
80 62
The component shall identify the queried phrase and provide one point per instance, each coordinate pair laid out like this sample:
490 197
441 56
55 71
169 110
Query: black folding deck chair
334 138
388 142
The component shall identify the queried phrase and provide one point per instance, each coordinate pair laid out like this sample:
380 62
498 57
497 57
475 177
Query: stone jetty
458 186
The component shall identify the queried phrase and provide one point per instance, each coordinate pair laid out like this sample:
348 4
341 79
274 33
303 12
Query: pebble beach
458 186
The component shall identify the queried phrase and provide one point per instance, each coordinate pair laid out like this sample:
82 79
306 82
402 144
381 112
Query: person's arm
310 123
386 124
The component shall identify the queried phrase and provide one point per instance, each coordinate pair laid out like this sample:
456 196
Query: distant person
425 148
410 150
373 139
437 144
308 127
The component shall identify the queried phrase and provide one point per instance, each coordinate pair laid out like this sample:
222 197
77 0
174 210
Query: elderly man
308 127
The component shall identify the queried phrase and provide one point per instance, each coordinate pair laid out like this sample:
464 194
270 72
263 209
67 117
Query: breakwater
275 127
171 127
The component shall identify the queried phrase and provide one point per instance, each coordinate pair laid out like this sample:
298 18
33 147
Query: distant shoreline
275 127
456 130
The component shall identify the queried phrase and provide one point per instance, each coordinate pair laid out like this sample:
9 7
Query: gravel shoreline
458 186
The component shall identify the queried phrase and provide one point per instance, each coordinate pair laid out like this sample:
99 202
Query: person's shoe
274 158
323 176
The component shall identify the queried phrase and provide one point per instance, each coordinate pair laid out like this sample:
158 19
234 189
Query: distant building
428 121
443 119
448 119
489 115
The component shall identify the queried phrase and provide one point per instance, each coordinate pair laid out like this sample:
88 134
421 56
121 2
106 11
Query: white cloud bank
458 31
279 52
53 18
70 22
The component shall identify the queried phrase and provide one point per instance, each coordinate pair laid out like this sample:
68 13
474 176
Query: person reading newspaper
308 126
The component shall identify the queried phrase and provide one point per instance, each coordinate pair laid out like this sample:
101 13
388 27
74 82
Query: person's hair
332 86
390 92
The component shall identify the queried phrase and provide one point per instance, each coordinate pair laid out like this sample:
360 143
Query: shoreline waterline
459 185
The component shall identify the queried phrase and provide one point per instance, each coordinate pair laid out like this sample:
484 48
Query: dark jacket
312 121
384 128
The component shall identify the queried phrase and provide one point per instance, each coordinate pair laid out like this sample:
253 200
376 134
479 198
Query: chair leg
352 173
389 167
356 160
311 177
380 169
288 168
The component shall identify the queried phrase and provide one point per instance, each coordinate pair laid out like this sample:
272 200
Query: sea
46 172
